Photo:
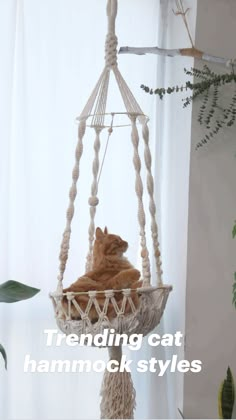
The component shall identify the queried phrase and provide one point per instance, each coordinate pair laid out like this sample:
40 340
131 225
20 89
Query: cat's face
109 244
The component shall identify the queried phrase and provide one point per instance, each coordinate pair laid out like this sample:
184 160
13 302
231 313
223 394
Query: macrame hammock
118 394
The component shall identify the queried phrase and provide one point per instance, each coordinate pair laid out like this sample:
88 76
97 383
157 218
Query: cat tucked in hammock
111 270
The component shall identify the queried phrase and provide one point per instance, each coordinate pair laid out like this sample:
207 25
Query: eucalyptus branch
207 88
208 79
228 117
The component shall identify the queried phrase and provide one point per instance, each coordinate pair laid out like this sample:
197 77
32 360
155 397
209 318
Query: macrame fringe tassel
118 396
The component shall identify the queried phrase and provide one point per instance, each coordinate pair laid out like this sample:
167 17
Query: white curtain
172 155
51 56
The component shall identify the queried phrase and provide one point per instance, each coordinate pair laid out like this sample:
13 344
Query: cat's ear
99 233
105 231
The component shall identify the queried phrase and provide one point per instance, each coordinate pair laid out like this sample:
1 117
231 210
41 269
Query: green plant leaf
234 230
234 291
208 89
220 414
13 291
181 414
4 355
226 397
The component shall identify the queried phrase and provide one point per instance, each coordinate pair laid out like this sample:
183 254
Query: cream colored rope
110 131
100 107
93 200
111 38
63 256
141 213
152 206
129 100
90 103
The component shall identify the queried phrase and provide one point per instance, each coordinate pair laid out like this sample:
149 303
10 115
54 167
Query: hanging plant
13 291
211 115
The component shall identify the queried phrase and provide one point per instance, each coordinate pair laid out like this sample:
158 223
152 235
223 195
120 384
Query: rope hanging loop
111 38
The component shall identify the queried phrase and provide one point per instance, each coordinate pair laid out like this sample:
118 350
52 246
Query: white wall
210 315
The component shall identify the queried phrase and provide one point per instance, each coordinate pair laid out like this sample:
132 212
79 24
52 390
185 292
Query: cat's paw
137 284
134 275
125 279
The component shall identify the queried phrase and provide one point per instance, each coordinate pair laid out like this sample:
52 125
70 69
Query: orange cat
111 270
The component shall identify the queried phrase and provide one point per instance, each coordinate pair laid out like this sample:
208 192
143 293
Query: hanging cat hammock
145 304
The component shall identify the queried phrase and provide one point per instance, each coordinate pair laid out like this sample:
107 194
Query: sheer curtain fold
172 166
7 34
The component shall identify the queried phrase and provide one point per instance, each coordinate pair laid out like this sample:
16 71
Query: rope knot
109 293
126 292
111 50
93 201
92 293
70 296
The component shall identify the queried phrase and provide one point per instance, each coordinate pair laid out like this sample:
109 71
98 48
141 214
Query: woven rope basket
141 319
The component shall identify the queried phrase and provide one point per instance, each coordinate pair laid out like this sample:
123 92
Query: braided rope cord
152 206
93 200
111 38
65 244
141 213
